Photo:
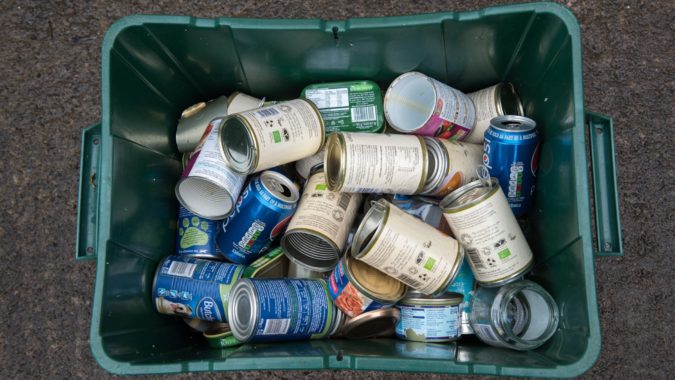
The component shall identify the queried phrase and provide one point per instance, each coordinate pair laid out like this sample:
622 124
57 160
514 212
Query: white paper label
486 109
211 165
493 241
463 160
413 252
383 163
457 107
304 166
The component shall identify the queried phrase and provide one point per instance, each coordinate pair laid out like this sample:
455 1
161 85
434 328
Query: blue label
255 222
464 281
429 323
292 309
196 235
194 288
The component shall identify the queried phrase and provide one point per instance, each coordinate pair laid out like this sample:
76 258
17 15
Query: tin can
273 264
511 154
498 100
376 163
481 219
263 310
194 121
317 233
208 187
430 319
262 212
451 165
464 284
196 236
220 336
418 104
373 324
304 166
296 270
194 288
407 249
520 316
356 287
239 102
354 106
255 140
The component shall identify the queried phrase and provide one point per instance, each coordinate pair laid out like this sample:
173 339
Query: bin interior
155 66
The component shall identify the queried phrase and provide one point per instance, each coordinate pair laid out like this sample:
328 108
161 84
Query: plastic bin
155 66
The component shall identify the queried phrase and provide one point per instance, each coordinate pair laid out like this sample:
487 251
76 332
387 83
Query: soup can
430 319
480 217
376 163
194 120
407 249
304 166
498 100
421 105
252 141
451 165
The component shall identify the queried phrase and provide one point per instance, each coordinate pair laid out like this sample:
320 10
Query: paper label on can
454 114
196 235
492 239
292 310
464 163
383 163
413 252
243 102
330 213
349 299
285 132
194 288
305 165
486 110
429 323
348 106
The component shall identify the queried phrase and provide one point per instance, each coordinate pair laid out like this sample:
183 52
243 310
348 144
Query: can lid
507 100
418 298
242 310
316 168
513 123
373 282
437 165
192 110
469 194
280 186
334 160
370 228
371 324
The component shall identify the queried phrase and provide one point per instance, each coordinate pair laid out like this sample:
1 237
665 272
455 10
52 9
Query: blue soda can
262 212
263 310
511 154
196 236
194 288
464 284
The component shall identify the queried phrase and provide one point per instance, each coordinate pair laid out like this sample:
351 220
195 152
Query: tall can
376 163
498 100
262 310
464 284
260 215
196 236
317 233
511 154
208 187
407 249
451 165
255 140
195 119
194 288
418 104
239 102
481 219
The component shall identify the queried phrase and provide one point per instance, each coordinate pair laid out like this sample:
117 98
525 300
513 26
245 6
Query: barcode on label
268 112
181 269
474 256
409 281
364 114
276 326
343 203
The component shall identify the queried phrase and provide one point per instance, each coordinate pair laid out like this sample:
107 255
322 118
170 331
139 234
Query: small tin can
407 249
208 187
356 287
255 140
273 264
373 324
354 106
261 214
304 166
317 233
498 100
481 219
239 102
376 163
511 154
430 319
194 288
296 270
194 121
196 236
464 284
266 310
220 336
418 104
451 165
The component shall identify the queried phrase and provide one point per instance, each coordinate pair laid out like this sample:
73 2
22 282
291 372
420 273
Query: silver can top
513 123
469 194
280 186
242 310
372 324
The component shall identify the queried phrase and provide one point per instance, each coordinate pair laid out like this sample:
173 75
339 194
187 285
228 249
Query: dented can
252 141
376 163
451 165
430 319
481 219
407 249
498 100
418 104
194 120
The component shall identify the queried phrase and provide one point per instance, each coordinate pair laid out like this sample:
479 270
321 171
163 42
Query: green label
321 187
430 264
191 235
268 259
504 254
277 136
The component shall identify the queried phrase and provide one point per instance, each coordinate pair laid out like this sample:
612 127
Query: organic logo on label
321 187
207 310
276 136
504 254
429 265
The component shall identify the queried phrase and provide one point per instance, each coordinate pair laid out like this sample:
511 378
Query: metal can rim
387 96
528 124
243 287
334 180
182 200
359 286
352 323
443 299
252 147
447 203
356 250
297 231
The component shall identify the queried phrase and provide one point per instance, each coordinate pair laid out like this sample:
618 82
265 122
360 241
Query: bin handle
87 206
607 222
